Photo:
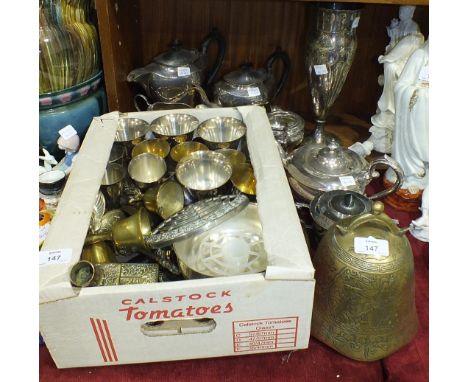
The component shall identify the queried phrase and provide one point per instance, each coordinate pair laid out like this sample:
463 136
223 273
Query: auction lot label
267 333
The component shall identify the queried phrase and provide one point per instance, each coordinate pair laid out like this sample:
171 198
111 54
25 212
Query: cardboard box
187 319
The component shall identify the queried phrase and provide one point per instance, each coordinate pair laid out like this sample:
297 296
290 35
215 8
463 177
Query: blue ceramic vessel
74 106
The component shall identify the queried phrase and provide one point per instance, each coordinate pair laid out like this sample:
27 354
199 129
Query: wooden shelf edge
395 2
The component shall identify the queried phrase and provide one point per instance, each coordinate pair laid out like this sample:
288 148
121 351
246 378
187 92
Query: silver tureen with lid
317 168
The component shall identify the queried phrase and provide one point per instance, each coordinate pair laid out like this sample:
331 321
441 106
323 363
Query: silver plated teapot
250 86
174 75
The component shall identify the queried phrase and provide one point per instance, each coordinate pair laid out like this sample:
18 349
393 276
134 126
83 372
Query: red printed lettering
216 309
195 296
228 308
226 293
141 315
180 298
127 301
211 295
167 299
177 313
129 312
158 314
139 301
201 310
189 311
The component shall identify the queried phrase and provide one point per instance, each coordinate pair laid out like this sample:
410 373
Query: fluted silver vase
331 46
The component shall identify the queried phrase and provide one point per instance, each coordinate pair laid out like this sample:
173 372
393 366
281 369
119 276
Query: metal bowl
185 148
129 129
146 168
203 170
153 146
175 125
231 248
114 174
222 132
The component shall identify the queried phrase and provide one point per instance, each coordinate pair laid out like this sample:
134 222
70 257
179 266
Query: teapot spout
139 75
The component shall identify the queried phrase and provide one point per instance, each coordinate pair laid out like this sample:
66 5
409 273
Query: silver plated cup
222 132
130 131
204 173
111 184
147 170
175 128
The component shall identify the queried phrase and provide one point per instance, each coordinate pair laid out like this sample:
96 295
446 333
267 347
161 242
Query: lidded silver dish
288 127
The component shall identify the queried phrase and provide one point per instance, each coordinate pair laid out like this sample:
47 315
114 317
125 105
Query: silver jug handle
395 166
144 99
285 158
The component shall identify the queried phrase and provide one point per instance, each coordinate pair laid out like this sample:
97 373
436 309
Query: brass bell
364 304
128 235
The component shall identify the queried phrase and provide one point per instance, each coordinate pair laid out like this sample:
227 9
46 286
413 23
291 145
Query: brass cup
243 179
98 253
204 172
164 200
175 128
235 157
111 184
129 234
82 273
146 169
153 146
222 132
183 149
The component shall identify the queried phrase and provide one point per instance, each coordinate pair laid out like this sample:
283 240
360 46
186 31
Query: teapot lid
245 76
336 205
177 56
322 167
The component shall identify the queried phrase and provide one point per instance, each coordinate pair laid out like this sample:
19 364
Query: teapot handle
135 102
391 163
283 56
217 37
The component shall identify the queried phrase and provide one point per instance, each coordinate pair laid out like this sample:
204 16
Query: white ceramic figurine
405 38
70 146
411 136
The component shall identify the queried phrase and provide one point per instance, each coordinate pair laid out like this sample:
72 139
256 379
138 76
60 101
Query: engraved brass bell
364 304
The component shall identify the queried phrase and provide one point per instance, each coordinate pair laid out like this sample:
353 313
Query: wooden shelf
133 32
395 2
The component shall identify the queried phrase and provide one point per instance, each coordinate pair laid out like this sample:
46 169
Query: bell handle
281 55
135 102
375 217
214 36
389 163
